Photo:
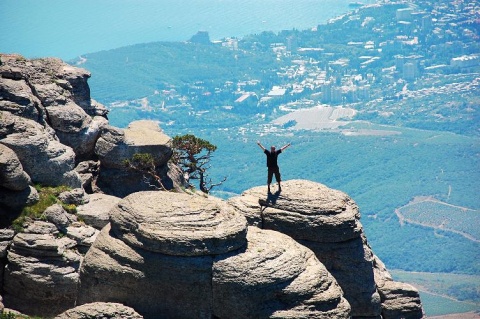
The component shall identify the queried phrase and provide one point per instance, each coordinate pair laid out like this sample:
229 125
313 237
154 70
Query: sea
69 28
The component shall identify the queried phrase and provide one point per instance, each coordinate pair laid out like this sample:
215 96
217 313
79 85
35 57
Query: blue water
69 28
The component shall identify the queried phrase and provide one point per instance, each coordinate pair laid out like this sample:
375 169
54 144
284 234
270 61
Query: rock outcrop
302 253
115 146
96 212
43 157
177 255
51 124
327 222
100 310
41 276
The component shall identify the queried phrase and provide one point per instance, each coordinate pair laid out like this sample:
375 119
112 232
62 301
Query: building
404 14
465 61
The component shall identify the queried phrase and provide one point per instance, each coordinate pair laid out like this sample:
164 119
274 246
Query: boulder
76 196
303 210
88 172
43 158
157 255
161 251
83 235
275 277
117 145
12 175
121 182
6 236
400 300
327 222
96 212
177 224
75 128
41 276
16 200
100 310
76 83
156 285
18 99
58 216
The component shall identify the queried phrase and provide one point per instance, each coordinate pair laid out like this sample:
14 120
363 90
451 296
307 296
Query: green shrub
47 197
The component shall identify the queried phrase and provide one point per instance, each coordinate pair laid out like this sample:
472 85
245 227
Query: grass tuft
47 197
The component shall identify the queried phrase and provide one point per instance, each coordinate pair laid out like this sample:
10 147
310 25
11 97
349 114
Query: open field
429 212
466 315
444 293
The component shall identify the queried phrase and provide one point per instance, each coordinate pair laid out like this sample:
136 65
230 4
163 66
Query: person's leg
278 178
269 179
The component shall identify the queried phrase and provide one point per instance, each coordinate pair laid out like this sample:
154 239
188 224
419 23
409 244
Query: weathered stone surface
84 235
69 118
154 284
178 224
123 182
327 222
304 210
40 245
148 257
6 236
83 141
400 300
77 81
41 276
116 145
16 200
40 227
58 216
351 263
96 212
275 277
100 310
18 99
88 172
45 160
75 196
12 175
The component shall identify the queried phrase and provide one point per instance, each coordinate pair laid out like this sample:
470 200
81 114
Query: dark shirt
272 158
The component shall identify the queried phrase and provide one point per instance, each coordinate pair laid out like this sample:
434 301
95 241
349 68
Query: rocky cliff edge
107 242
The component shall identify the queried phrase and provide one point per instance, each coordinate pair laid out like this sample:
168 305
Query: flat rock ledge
178 224
303 210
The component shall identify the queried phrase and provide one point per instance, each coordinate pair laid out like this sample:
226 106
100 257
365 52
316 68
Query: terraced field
432 213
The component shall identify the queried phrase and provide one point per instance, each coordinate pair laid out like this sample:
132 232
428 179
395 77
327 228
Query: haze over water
69 28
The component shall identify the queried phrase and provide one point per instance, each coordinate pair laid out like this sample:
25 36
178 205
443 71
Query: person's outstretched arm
285 146
261 146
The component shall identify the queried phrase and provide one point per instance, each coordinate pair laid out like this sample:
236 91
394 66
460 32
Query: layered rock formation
327 222
172 255
117 145
41 276
51 124
164 254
